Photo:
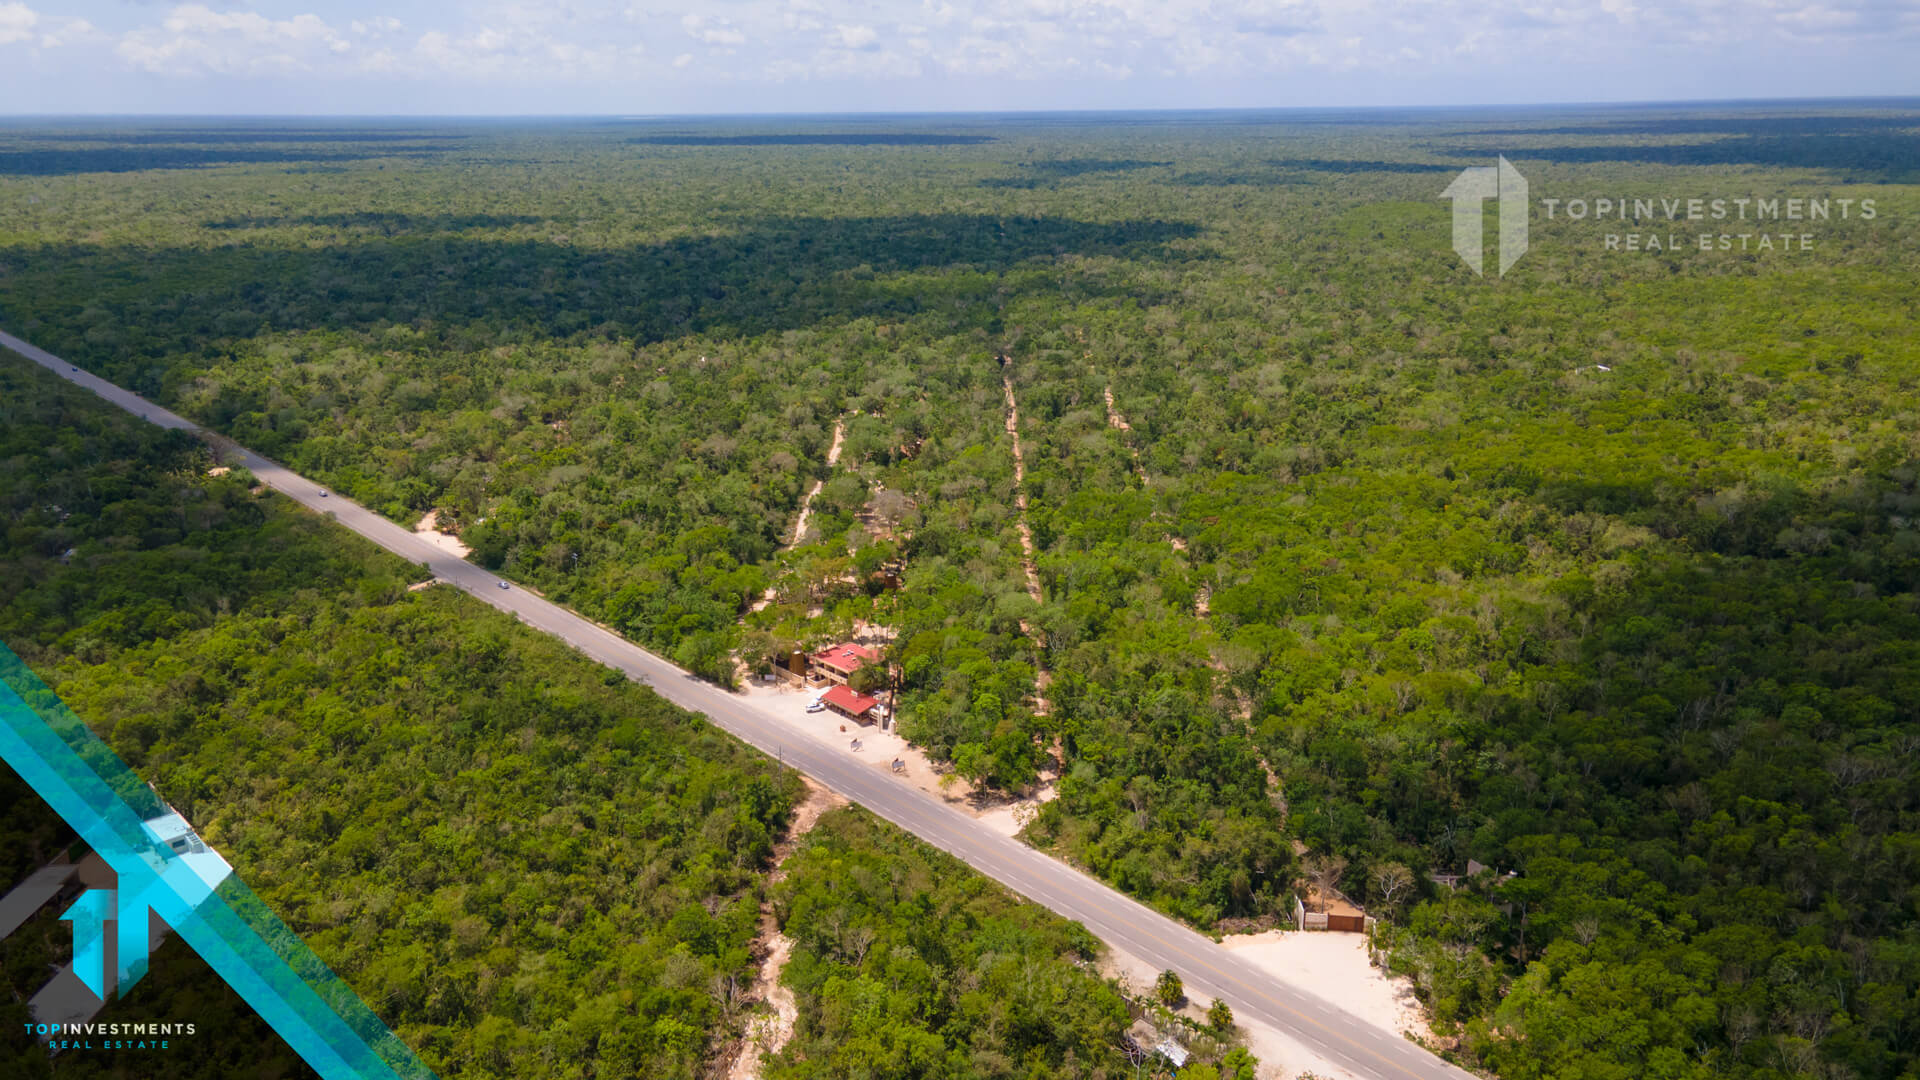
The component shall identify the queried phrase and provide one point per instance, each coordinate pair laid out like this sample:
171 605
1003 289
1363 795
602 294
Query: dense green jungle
529 866
1349 565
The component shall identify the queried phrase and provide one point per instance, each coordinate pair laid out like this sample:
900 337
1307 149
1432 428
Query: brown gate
1351 924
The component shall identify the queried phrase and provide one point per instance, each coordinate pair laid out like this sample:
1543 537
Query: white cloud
712 31
16 23
56 31
194 39
376 26
515 43
526 45
511 42
62 32
198 18
855 37
68 30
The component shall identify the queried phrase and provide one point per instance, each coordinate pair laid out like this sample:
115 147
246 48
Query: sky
649 57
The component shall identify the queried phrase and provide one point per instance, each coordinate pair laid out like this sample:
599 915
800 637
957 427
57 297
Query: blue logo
163 868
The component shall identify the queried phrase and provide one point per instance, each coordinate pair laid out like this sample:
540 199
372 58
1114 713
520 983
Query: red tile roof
849 702
846 658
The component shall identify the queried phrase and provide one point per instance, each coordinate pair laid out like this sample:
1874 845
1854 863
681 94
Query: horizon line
1855 99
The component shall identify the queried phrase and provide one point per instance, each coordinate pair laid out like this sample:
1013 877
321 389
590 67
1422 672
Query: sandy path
1113 415
1119 423
1104 911
768 1032
806 511
1042 678
806 507
806 503
1019 494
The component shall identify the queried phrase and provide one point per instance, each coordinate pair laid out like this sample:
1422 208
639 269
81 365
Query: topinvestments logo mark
1664 224
1469 192
163 872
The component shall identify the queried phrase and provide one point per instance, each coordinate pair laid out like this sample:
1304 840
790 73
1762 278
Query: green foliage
1220 1015
1240 1064
1382 562
868 678
498 847
499 851
1169 988
906 966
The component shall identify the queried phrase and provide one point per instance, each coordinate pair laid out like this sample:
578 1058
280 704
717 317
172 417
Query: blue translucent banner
163 868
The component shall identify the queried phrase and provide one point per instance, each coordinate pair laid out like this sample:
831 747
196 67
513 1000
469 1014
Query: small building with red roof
853 706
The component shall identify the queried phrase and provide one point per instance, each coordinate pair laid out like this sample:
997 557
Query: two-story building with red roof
837 663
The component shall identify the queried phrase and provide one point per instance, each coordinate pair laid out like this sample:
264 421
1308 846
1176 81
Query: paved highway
1123 923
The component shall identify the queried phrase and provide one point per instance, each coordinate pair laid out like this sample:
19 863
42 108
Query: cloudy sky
659 56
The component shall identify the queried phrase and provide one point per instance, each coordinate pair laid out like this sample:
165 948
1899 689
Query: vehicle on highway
323 493
503 584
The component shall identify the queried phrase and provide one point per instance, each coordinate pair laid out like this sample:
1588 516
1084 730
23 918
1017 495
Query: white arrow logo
1475 186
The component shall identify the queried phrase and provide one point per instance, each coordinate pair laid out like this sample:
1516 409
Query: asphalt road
1121 922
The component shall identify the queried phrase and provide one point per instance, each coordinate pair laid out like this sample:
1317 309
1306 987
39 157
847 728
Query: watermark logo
1766 223
1759 223
161 867
91 915
1469 192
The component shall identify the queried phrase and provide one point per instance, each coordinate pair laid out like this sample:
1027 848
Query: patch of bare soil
775 1010
1042 677
429 528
